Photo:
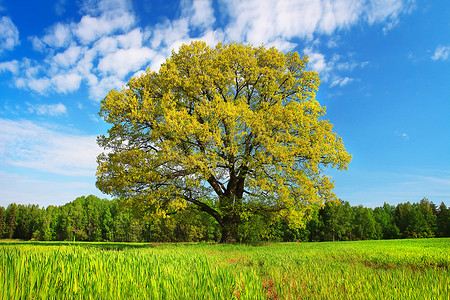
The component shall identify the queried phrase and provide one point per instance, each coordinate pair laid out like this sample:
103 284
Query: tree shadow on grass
112 246
98 245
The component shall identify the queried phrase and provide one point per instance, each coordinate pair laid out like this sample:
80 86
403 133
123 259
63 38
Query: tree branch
206 208
216 185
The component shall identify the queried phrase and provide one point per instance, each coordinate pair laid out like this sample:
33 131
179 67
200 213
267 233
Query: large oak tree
235 130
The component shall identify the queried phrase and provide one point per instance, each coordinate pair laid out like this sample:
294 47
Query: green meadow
386 269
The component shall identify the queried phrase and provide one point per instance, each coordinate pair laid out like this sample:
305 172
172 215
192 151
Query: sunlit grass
401 269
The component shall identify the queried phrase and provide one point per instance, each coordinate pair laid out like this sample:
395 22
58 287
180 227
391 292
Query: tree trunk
230 226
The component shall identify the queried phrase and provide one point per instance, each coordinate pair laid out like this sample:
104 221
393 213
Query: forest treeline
93 219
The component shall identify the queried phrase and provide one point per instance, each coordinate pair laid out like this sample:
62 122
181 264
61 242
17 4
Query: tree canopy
235 130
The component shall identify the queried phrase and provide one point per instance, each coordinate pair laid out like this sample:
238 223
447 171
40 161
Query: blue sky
384 65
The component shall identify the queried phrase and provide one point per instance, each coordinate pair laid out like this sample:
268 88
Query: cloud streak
9 34
11 66
53 110
441 53
32 146
395 188
25 189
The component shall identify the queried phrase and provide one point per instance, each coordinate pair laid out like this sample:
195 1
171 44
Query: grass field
390 269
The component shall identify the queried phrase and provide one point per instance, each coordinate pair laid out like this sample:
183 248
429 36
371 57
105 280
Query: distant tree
404 215
35 213
49 224
162 229
337 221
107 223
64 231
135 231
11 222
122 223
92 209
364 224
443 221
234 123
315 225
20 222
426 223
416 220
281 231
385 222
27 217
2 221
78 219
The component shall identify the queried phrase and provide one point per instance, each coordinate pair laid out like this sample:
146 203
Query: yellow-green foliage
235 121
389 269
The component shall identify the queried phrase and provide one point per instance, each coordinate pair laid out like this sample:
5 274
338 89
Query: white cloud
60 35
341 81
133 39
37 43
40 85
89 29
348 65
380 10
441 52
339 14
212 37
65 83
9 34
330 69
69 57
104 18
258 21
33 79
387 11
33 146
157 61
100 7
11 66
403 135
105 46
333 42
123 61
165 34
282 45
48 109
199 12
86 64
57 36
261 21
318 63
85 51
99 90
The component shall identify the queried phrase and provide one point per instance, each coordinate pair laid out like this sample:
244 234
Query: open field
388 269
